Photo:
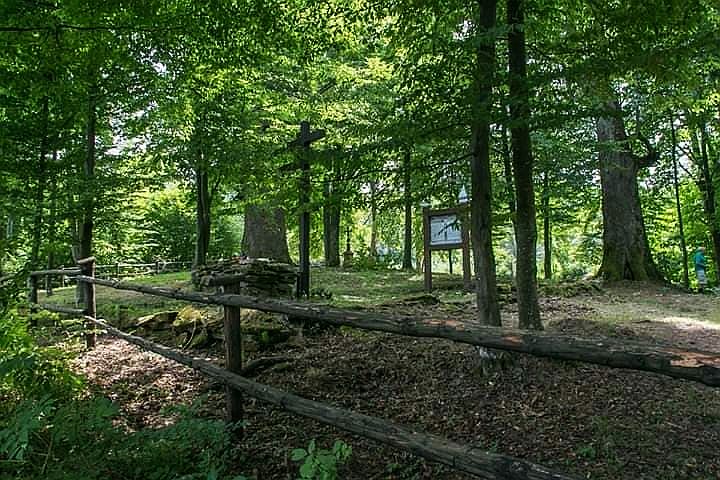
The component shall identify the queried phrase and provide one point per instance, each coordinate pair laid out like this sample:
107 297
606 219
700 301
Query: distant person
700 266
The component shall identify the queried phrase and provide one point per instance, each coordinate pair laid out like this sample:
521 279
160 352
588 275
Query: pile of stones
257 277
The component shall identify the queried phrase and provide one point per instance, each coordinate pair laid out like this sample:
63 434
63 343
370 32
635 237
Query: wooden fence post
157 267
117 270
87 267
233 357
33 298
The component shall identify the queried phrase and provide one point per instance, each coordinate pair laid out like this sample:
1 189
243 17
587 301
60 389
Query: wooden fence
115 270
703 367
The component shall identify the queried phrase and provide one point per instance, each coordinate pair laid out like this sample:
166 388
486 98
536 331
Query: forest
173 142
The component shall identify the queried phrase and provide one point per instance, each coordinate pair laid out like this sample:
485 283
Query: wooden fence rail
699 366
490 466
703 367
486 465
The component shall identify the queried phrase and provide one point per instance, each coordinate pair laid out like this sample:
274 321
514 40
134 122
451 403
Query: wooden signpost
303 141
446 229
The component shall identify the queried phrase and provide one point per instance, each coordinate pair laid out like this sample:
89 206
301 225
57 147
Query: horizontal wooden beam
699 366
489 466
66 271
83 261
79 312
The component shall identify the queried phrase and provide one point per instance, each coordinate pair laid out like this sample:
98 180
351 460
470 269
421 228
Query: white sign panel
445 230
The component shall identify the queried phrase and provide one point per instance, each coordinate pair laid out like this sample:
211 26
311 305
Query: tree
481 190
522 159
626 251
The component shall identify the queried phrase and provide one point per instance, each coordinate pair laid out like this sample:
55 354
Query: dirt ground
589 421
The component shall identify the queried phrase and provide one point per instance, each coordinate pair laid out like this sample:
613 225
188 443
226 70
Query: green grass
115 304
348 288
371 287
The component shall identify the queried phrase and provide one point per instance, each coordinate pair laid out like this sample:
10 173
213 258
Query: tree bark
203 219
89 188
87 195
683 246
407 194
526 270
41 184
265 235
547 233
626 252
488 310
331 225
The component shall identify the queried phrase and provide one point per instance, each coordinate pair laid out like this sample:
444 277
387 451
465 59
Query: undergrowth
50 427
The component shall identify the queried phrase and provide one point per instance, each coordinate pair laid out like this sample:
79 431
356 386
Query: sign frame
461 214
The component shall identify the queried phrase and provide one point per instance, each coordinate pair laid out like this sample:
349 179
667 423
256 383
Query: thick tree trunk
203 219
265 233
683 246
407 197
626 252
526 270
41 184
331 225
547 233
488 310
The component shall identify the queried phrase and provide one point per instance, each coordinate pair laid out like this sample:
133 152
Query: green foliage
59 440
319 463
49 430
169 226
28 370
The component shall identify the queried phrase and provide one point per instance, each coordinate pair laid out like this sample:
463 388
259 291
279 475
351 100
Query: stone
188 318
266 328
157 321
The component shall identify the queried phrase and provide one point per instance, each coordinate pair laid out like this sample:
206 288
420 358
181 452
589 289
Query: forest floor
586 420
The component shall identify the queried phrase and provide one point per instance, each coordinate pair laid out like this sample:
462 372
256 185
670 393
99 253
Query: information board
445 230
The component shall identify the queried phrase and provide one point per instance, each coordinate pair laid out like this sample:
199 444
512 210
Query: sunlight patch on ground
351 298
687 323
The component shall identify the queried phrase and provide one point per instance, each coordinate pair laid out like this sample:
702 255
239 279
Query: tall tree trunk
547 233
203 219
52 226
683 246
708 189
508 174
626 252
331 225
89 188
41 184
488 310
407 196
373 221
509 195
265 235
526 271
